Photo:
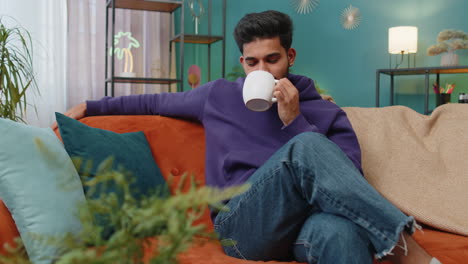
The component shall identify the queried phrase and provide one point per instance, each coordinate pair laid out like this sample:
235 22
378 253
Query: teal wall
344 62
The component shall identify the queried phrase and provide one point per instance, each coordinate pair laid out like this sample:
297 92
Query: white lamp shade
402 40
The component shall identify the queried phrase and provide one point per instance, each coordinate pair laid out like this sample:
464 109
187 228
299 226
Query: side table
426 71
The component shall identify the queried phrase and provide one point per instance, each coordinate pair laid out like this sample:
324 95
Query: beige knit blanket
418 162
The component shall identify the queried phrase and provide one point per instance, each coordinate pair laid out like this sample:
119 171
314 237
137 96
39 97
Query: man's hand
76 112
288 101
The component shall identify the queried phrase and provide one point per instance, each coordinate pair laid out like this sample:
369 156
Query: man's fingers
76 112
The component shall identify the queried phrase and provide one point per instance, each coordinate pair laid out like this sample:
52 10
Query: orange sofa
178 147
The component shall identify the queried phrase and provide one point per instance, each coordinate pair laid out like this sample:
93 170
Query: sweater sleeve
189 104
299 125
342 134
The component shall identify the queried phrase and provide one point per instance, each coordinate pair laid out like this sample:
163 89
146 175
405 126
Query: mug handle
273 99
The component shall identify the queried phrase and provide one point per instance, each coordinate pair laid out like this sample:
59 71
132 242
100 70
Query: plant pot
449 59
443 98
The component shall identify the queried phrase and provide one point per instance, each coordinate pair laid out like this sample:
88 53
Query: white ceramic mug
258 90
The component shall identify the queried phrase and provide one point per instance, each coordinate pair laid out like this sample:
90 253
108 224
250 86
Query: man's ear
291 56
242 64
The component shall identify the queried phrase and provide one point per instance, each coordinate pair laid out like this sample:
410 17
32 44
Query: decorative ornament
133 43
197 11
194 76
350 17
304 6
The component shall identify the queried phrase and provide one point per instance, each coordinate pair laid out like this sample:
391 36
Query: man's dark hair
267 24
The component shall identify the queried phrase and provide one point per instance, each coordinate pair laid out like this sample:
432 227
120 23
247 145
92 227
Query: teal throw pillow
129 150
40 187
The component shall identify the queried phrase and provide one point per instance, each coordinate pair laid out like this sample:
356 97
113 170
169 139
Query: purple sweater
238 141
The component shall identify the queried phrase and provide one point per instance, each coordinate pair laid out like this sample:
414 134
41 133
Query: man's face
267 54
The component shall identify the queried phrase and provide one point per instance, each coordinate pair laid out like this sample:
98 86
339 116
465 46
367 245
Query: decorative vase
449 59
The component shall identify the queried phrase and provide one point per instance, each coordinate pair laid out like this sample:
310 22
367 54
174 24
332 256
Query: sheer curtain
69 47
46 21
86 49
86 38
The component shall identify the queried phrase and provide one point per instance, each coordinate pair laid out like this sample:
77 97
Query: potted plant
16 70
448 41
163 226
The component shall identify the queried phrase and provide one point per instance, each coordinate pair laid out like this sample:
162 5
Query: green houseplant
16 70
169 219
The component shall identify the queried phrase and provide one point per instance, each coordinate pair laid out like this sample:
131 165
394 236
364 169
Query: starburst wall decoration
350 17
304 6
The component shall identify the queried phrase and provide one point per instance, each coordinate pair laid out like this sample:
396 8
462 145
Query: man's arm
188 104
343 134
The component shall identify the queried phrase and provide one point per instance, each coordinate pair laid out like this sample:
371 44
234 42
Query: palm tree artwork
125 37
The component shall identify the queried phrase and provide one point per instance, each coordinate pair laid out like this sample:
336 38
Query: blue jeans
309 203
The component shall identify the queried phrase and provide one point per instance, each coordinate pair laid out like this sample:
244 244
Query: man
308 200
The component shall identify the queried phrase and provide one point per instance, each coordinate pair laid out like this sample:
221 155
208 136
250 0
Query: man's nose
263 66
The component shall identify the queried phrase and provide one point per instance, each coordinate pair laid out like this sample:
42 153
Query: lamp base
399 59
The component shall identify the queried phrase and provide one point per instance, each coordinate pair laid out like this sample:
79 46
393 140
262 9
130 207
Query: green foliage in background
236 72
16 70
171 219
319 90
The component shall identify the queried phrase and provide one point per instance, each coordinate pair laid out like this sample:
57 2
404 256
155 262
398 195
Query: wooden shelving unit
167 6
158 6
198 39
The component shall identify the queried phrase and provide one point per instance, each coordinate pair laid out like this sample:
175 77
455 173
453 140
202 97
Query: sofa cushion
130 151
177 146
39 185
418 162
8 230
